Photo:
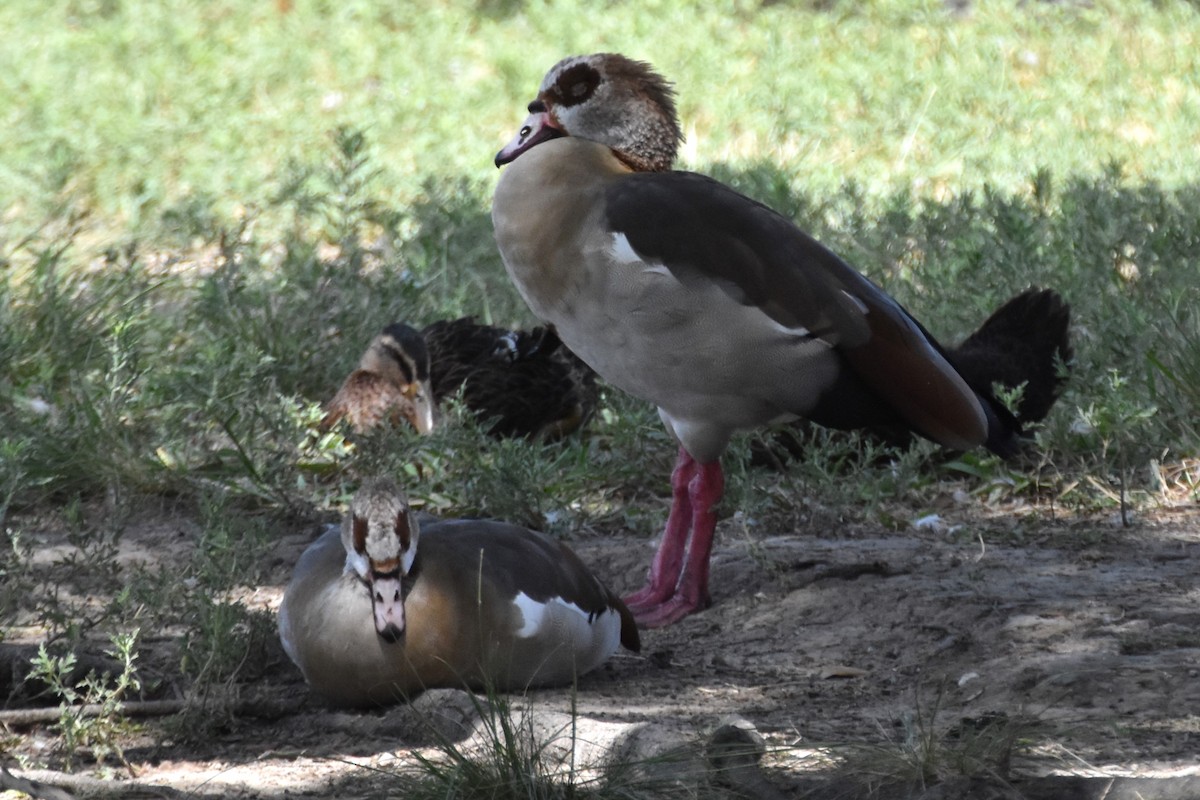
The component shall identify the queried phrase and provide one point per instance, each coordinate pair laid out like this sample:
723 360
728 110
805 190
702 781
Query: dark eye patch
403 532
358 527
576 84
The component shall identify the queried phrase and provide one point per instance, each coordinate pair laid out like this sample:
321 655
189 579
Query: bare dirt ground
1079 636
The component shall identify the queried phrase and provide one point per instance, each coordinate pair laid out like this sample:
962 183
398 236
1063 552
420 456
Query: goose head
401 356
609 99
380 536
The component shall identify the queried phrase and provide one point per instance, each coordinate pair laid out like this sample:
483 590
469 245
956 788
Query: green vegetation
100 729
129 108
923 750
208 209
512 756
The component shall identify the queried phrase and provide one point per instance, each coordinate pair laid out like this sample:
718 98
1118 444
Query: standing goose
370 618
519 383
721 312
1001 352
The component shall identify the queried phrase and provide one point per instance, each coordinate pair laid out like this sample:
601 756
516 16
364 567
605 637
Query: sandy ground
1077 636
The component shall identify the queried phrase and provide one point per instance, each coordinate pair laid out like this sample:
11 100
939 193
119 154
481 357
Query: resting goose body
710 305
518 383
370 618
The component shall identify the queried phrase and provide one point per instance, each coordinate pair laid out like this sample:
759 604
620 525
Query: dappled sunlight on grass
127 108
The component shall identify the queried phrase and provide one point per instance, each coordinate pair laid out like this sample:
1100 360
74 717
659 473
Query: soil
1075 637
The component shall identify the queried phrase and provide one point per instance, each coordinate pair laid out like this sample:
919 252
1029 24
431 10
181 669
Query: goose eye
577 84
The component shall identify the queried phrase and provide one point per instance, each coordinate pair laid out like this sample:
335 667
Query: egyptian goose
370 617
519 383
708 304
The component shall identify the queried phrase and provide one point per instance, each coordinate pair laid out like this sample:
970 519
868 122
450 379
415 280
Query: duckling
524 383
371 618
391 383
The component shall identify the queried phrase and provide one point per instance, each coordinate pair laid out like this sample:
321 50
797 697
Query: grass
922 750
514 755
208 209
152 376
126 109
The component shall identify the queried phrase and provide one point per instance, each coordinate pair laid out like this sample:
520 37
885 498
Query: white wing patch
536 615
584 640
622 252
799 330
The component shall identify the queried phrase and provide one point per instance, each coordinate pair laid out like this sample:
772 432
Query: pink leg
668 561
691 594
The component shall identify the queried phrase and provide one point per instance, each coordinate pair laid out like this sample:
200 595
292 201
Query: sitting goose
521 383
721 312
370 617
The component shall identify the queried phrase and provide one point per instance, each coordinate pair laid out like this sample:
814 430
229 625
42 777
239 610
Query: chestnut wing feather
702 230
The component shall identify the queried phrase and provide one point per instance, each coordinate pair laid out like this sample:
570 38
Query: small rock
435 716
931 522
734 752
